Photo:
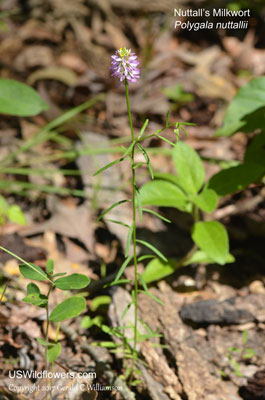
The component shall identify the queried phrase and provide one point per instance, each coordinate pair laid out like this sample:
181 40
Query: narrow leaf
108 166
129 239
139 203
122 268
111 207
153 248
156 214
143 128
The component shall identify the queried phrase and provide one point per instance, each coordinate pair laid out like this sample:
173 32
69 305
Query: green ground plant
69 308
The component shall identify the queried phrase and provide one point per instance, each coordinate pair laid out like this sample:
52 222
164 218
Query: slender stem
129 109
3 292
133 234
47 326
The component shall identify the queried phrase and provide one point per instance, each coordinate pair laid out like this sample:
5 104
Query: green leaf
43 342
201 257
74 281
34 272
37 299
50 266
161 193
158 269
139 203
237 178
207 200
156 214
255 152
99 301
248 353
143 129
69 308
122 268
53 352
167 177
3 205
212 238
108 166
59 274
153 248
15 214
19 99
112 206
246 111
32 288
129 240
191 172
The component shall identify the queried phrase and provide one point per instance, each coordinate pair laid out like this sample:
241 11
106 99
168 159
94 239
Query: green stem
129 109
47 326
25 262
133 235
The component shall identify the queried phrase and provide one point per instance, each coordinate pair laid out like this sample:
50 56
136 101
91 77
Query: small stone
257 287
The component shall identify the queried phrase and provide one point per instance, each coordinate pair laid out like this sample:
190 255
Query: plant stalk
133 235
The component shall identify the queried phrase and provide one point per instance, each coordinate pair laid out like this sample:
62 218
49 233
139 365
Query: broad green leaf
158 269
237 178
37 299
74 281
15 214
246 111
255 152
153 248
50 266
19 99
69 308
201 257
207 200
161 193
53 352
212 238
188 164
3 205
34 272
32 288
167 177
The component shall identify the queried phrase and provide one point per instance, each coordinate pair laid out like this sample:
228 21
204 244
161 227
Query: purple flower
124 65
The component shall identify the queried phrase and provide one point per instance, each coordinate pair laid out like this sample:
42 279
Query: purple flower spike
124 65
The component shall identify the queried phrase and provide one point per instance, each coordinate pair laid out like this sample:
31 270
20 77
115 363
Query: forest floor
212 323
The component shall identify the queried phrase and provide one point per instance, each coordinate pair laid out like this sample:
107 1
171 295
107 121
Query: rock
257 287
255 388
207 312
